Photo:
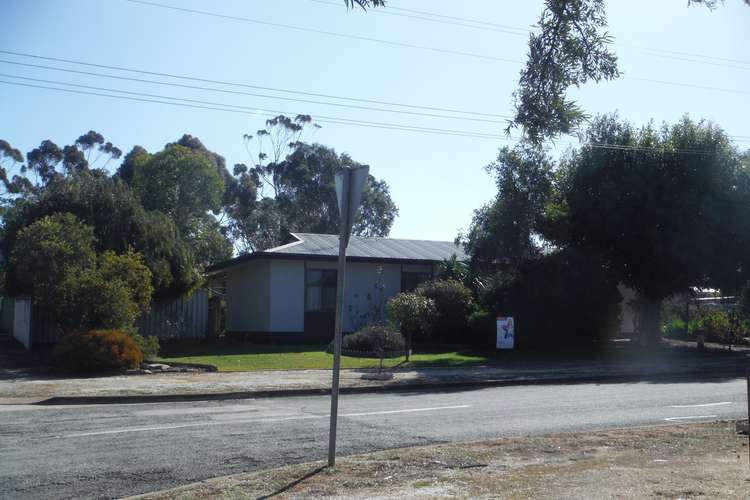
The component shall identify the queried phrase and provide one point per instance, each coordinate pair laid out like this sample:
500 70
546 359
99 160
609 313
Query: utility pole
350 183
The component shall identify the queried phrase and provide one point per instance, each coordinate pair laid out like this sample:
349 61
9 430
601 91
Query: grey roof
374 248
326 246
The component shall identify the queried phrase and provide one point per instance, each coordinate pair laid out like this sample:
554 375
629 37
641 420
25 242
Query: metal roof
326 246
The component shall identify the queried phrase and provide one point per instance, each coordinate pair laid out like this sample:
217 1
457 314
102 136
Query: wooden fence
181 318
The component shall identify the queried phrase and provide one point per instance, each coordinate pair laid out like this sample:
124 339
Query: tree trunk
650 321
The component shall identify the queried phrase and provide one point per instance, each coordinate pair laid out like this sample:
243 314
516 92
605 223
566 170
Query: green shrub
723 327
675 329
482 329
98 351
149 346
453 304
415 313
373 340
565 299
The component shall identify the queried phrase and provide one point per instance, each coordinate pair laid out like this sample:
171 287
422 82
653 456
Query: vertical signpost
350 183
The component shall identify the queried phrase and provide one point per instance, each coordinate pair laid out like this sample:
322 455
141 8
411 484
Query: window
320 290
411 280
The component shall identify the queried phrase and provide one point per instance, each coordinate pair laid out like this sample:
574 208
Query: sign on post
350 182
506 332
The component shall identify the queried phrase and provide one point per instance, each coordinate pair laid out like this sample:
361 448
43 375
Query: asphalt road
109 451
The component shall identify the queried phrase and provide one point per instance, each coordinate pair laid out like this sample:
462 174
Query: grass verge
678 461
238 356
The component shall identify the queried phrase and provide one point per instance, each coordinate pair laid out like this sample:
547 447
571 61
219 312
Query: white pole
344 228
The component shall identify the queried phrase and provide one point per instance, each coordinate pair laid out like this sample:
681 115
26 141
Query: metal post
747 377
339 319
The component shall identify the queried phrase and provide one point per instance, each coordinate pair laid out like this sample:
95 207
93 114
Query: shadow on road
294 483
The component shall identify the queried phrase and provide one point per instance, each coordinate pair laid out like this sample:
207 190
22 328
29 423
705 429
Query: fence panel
181 318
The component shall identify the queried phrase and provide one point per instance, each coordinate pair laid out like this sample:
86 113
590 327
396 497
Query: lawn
238 356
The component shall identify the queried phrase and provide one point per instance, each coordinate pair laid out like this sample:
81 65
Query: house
288 293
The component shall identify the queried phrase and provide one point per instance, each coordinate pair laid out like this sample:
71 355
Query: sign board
350 182
506 332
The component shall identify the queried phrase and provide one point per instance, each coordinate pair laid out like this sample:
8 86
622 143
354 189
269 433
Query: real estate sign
505 332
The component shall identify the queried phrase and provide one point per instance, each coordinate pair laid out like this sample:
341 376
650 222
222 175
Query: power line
376 40
524 32
249 110
245 85
264 96
206 105
690 85
327 33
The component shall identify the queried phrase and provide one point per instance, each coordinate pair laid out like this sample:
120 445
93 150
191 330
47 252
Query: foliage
376 339
148 345
119 222
54 261
482 329
675 329
364 4
179 182
109 295
415 313
49 250
453 269
49 162
98 351
567 298
453 304
291 187
726 327
569 49
670 211
505 232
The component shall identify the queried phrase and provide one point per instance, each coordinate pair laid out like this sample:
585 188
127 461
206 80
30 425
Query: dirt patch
707 460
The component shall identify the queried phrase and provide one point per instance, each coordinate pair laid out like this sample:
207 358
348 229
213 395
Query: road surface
108 451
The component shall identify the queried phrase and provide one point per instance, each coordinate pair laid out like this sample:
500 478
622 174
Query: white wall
287 294
248 301
269 296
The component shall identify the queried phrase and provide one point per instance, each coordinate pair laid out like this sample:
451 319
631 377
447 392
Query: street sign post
350 183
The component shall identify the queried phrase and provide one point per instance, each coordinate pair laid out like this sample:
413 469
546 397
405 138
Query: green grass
237 356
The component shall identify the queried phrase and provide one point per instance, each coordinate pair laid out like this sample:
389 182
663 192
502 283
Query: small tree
54 261
47 252
415 313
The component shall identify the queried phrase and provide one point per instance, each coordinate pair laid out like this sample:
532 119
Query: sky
436 179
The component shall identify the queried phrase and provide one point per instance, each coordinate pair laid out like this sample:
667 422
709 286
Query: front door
320 304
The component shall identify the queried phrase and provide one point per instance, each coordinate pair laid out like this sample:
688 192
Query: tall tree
187 183
119 222
670 211
291 187
507 231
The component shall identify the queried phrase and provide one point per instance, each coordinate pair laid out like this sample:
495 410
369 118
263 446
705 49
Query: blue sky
436 180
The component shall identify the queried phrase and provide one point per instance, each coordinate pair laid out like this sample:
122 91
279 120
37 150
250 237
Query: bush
724 327
482 329
565 299
380 340
415 313
675 329
149 346
98 351
453 304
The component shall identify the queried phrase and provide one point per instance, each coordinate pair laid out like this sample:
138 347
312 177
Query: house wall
287 296
362 298
269 296
248 298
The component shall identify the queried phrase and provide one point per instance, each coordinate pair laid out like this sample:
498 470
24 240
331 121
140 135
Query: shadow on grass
294 483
